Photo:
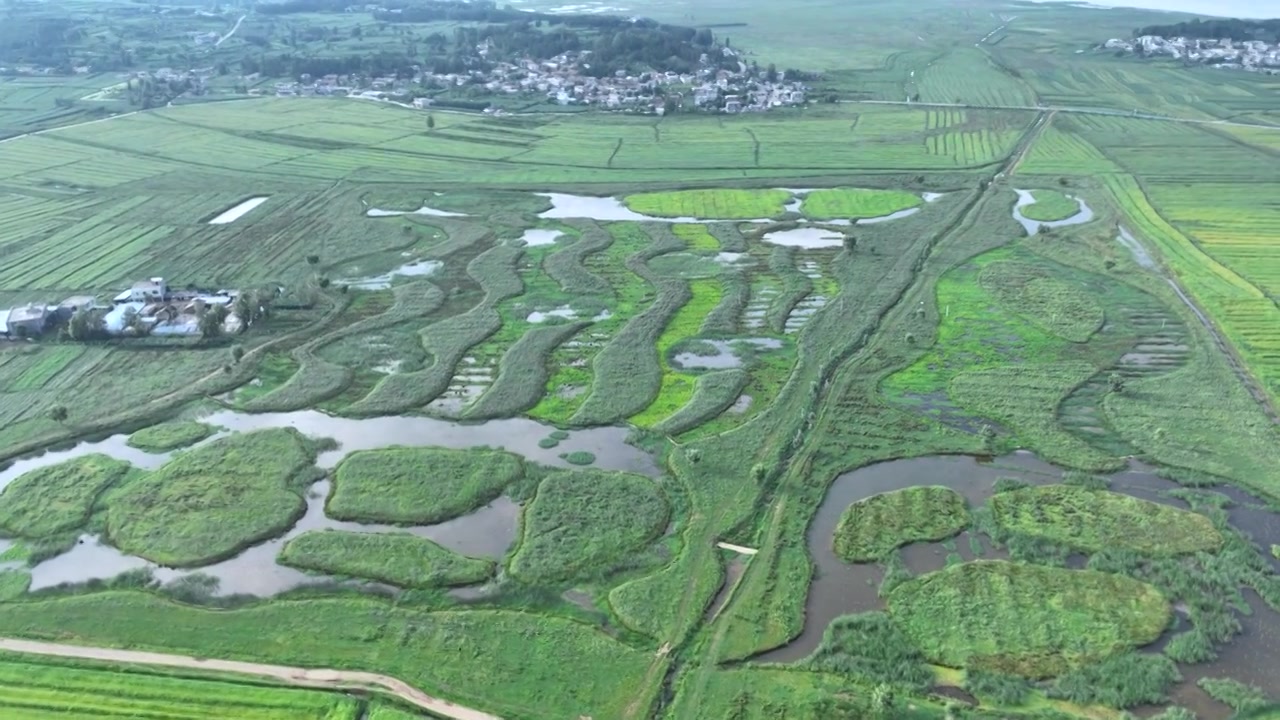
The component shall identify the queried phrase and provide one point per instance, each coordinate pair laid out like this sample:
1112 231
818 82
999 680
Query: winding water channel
486 532
839 588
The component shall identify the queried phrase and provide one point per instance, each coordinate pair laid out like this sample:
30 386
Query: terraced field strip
1241 312
823 290
303 677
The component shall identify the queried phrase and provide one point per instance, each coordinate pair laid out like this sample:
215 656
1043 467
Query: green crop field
817 431
33 690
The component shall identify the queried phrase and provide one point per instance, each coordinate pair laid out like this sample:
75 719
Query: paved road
304 677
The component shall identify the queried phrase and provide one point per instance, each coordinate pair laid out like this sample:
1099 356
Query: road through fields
303 677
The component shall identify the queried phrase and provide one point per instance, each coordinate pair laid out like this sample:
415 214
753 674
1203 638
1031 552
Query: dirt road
303 677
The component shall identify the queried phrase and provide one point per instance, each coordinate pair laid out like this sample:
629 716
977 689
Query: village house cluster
149 307
561 80
1250 55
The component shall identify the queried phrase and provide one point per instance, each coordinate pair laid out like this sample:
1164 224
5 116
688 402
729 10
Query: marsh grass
170 436
992 615
1121 681
872 527
57 498
586 521
209 503
419 486
712 204
394 558
870 648
1095 520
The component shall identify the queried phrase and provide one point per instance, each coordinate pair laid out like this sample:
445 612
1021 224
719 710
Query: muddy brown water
839 588
487 532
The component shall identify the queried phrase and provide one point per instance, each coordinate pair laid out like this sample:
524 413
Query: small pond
424 210
726 355
807 238
233 214
415 268
488 532
535 237
1032 227
839 588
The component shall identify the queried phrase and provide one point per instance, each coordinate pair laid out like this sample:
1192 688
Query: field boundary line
303 677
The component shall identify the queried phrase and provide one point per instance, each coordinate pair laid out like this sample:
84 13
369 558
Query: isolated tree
58 413
83 325
988 439
850 243
1116 382
313 259
431 122
211 320
237 353
324 282
1109 264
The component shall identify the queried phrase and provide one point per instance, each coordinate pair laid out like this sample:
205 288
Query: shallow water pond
839 588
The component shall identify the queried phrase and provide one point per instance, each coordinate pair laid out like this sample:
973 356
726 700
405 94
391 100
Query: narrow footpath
302 677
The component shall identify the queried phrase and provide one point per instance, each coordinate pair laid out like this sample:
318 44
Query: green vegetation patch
371 635
856 203
1097 520
209 503
393 558
58 497
419 486
871 647
1050 206
713 204
33 687
1055 306
881 523
584 521
170 436
1026 620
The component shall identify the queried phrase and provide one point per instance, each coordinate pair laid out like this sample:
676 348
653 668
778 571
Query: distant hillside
1264 30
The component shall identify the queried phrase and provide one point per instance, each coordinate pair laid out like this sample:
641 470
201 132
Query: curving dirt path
303 677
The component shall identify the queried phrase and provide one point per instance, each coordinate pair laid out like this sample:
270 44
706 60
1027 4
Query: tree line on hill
1263 30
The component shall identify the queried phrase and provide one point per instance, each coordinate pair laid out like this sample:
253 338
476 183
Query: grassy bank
402 560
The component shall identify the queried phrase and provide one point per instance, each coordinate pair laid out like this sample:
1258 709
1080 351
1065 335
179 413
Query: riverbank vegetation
871 528
855 203
393 558
209 503
419 486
